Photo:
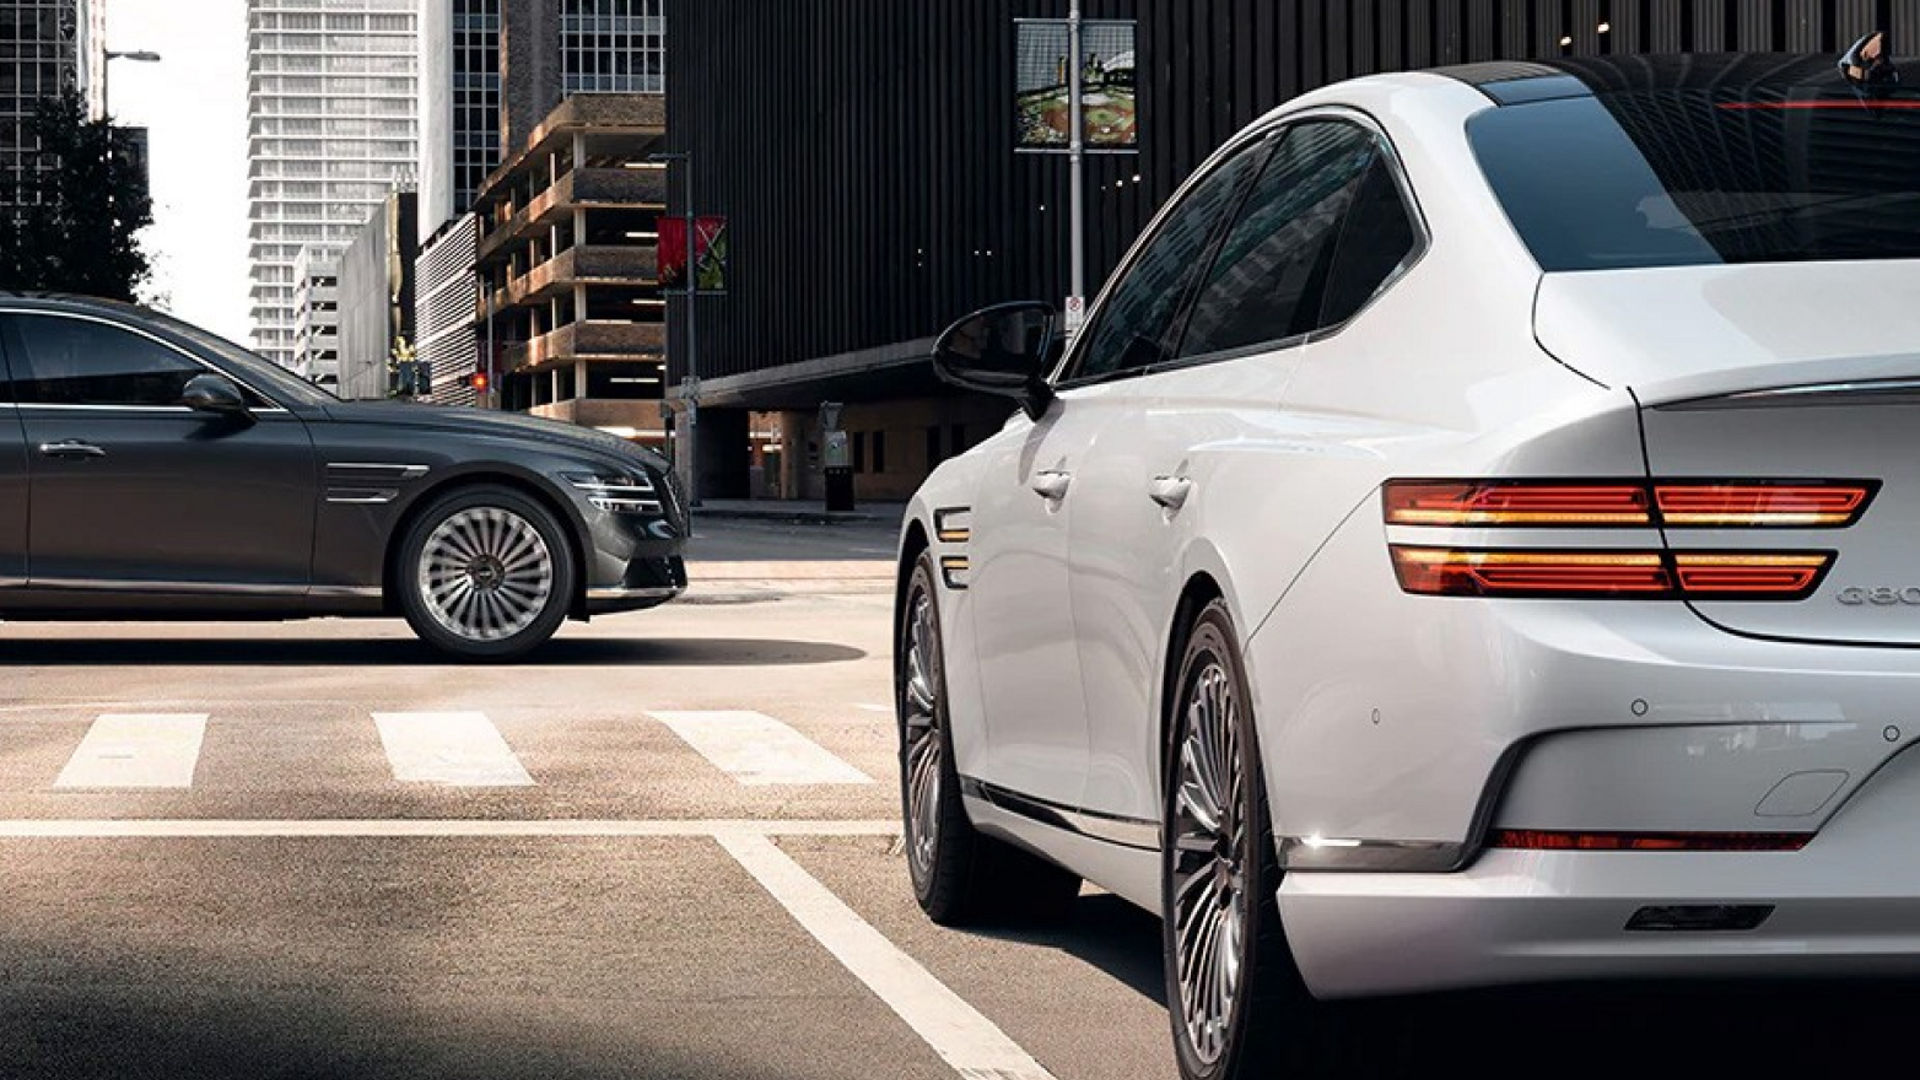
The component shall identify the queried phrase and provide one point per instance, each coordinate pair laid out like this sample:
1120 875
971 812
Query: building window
859 451
933 447
879 452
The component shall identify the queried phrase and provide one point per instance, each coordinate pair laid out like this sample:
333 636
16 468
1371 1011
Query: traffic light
478 380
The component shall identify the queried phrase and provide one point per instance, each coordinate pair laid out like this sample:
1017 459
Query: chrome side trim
173 409
398 470
367 497
12 582
652 592
346 592
1109 828
1867 392
223 588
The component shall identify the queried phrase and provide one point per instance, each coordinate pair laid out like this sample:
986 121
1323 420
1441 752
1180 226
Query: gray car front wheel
485 573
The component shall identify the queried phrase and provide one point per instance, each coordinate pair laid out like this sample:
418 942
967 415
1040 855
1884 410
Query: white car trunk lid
1779 373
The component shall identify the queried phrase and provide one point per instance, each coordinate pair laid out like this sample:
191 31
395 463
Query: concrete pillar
794 428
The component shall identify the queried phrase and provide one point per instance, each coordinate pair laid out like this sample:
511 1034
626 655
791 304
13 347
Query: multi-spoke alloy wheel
959 875
1209 862
922 752
1237 1004
485 572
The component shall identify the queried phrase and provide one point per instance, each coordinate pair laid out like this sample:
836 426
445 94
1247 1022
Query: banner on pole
709 257
1043 91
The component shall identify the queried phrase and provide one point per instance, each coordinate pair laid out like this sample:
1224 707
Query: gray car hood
491 423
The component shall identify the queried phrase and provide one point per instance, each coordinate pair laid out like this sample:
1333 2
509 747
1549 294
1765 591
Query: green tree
73 231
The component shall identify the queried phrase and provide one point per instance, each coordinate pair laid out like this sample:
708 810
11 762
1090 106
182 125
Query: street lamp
139 56
692 378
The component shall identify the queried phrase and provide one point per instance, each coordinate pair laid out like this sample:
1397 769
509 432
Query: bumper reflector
1696 917
1548 840
1609 574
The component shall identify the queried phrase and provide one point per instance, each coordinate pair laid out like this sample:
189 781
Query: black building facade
863 151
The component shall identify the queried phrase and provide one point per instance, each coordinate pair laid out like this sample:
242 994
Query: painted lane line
378 828
457 749
757 749
137 750
969 1042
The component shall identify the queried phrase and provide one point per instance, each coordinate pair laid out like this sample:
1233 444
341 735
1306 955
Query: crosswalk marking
972 1045
458 749
754 748
137 750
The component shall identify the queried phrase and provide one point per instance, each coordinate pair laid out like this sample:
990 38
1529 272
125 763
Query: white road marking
374 828
757 749
964 1039
459 749
137 750
864 707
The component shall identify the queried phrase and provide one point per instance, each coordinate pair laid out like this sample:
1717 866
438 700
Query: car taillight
1616 504
1414 502
1652 575
1553 840
1745 505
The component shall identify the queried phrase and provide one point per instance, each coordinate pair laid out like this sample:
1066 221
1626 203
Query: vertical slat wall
863 148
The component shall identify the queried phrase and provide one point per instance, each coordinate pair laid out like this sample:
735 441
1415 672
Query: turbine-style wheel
1235 998
485 573
959 876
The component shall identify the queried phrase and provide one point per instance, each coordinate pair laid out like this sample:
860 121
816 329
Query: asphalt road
356 861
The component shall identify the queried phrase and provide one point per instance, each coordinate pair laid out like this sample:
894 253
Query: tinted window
1134 325
1271 275
1378 238
1688 178
61 361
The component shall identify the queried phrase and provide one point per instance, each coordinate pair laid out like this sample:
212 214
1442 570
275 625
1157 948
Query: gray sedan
154 471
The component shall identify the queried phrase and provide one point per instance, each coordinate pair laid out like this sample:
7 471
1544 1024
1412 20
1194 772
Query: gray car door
130 490
13 486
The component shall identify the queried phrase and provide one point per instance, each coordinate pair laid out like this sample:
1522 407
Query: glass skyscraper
333 110
47 47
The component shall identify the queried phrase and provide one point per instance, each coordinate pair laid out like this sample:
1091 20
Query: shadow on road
1107 933
325 652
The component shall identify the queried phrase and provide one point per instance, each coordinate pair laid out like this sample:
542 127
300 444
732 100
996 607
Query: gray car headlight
618 493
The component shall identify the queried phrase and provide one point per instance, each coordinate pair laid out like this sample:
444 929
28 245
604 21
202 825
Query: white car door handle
1170 491
1052 485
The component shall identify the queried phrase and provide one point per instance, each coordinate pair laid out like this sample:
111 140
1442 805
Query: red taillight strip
1779 505
1555 840
1645 575
1414 502
1612 504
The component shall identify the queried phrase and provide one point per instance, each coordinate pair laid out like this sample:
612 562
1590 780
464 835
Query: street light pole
141 56
1076 154
691 380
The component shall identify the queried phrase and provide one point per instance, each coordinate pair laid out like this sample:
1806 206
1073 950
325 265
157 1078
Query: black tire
959 876
1272 1024
536 612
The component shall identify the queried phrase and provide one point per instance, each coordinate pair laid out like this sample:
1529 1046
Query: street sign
1076 309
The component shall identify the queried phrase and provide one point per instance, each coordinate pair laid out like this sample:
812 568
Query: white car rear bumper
1847 904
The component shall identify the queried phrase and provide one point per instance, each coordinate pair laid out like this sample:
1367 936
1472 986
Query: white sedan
1475 540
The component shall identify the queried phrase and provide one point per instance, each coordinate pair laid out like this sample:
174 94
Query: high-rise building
47 47
333 109
459 105
492 72
316 315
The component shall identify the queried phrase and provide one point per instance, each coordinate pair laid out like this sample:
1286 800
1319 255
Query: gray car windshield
264 375
1689 178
